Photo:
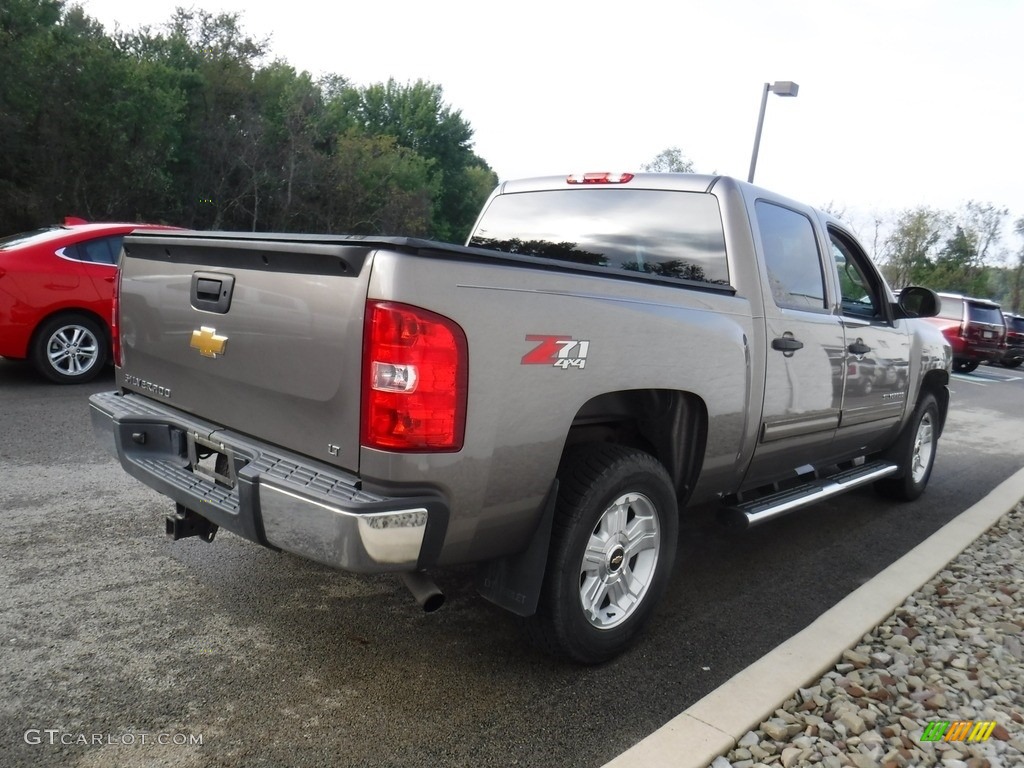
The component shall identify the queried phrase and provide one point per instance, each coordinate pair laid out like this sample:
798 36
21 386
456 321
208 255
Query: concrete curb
712 726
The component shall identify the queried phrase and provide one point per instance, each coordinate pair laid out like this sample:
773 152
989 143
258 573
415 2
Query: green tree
910 248
375 186
958 266
671 160
292 109
188 124
28 30
983 225
418 118
1017 271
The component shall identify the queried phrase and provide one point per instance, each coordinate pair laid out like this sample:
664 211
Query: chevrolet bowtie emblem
208 342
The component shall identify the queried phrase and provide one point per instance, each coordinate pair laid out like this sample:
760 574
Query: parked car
56 296
1014 354
974 328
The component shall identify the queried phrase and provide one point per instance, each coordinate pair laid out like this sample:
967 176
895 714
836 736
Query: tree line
957 251
191 125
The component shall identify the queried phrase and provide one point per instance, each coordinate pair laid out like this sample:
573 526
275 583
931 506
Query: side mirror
915 301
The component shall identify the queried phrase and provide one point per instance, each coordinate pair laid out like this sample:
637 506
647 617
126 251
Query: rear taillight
115 322
414 379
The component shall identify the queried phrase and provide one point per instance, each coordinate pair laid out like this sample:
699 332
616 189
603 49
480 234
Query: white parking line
997 377
969 379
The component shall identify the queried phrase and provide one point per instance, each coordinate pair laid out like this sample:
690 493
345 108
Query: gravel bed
954 651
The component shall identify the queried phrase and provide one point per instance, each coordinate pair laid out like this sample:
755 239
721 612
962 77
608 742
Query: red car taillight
115 322
414 379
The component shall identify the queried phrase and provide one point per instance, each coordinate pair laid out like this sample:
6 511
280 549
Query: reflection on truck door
877 345
803 374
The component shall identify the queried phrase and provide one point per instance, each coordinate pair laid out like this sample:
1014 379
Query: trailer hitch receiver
185 523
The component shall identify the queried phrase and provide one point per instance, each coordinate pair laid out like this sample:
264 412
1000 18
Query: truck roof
683 182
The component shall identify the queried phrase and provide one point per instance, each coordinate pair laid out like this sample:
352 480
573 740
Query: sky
902 103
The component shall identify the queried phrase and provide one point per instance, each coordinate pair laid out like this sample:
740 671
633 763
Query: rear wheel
70 349
612 548
914 453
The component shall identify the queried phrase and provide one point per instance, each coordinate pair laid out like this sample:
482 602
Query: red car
56 290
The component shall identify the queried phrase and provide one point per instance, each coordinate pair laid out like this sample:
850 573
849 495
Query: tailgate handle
211 291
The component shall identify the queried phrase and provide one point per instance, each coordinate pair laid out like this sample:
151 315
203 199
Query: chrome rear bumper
278 499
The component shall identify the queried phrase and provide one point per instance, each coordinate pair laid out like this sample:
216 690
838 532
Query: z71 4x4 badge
558 351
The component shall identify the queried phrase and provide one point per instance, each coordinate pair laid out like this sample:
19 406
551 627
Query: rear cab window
667 233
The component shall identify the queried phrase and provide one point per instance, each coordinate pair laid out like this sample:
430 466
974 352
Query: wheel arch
671 425
69 311
68 367
937 383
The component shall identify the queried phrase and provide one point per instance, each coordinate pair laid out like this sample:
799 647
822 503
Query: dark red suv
1014 354
973 327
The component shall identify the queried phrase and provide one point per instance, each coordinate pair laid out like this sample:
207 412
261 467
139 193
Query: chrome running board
752 513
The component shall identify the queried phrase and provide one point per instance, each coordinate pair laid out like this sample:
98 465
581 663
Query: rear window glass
984 313
29 237
1015 324
655 232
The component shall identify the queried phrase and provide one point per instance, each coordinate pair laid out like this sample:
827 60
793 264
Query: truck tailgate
224 326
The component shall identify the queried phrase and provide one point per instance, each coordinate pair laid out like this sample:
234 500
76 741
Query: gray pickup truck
605 352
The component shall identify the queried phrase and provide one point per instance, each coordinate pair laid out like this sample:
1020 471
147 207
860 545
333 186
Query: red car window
28 238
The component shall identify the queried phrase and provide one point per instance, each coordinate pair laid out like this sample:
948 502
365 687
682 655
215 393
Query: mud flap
514 582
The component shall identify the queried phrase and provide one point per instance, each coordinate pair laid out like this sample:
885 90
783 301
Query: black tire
620 503
914 452
964 366
70 349
1012 363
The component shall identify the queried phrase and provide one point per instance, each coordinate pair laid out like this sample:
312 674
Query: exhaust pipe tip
425 590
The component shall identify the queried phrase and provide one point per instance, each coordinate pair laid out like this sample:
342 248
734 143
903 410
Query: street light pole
782 88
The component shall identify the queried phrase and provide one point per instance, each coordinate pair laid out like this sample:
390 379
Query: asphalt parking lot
144 647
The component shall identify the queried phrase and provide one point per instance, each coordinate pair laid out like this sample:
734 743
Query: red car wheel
70 349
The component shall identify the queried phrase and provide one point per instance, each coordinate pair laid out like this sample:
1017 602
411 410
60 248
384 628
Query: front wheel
914 453
612 547
964 366
1012 363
